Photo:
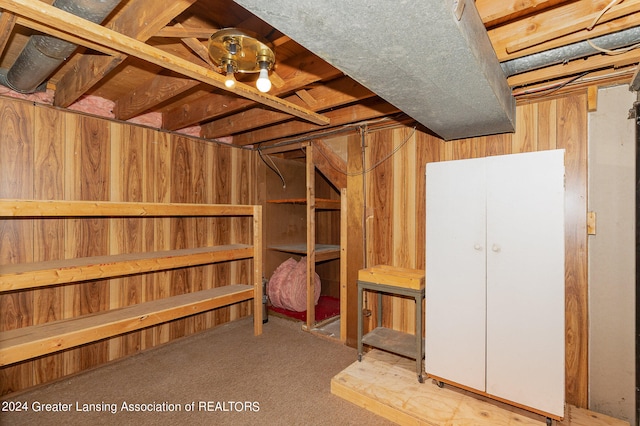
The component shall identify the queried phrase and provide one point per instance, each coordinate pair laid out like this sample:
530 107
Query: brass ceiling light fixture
235 50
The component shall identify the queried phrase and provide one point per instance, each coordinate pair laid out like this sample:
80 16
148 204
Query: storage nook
304 212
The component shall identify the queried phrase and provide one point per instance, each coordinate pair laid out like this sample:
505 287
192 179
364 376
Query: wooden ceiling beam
494 12
34 25
572 25
71 24
165 85
333 94
296 72
151 93
87 70
367 110
7 22
178 31
558 25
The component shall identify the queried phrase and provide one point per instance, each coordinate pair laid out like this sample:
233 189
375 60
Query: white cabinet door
455 272
525 279
495 276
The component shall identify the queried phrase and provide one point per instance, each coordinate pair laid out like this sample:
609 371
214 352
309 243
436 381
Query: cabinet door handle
477 247
495 248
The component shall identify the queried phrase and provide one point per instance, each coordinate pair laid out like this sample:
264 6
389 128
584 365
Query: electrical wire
540 91
273 167
332 132
373 167
616 51
593 24
602 12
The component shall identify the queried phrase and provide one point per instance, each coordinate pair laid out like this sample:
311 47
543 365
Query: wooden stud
258 273
592 98
591 223
311 237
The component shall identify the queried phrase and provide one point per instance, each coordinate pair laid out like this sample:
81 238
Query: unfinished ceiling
431 59
147 63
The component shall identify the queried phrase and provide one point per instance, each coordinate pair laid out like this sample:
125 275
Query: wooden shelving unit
323 252
304 243
33 341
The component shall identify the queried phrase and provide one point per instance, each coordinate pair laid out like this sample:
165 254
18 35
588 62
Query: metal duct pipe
570 52
43 54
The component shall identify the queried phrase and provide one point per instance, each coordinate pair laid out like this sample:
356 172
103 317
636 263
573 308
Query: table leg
419 347
360 321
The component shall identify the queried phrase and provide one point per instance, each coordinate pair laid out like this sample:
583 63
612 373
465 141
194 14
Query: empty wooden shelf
32 341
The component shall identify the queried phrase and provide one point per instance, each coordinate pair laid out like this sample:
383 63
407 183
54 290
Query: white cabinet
495 318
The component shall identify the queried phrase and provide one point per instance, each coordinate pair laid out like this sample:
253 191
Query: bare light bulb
263 84
230 82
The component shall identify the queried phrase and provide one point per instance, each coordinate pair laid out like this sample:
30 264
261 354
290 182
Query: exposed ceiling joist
54 18
367 110
7 21
333 94
498 12
559 28
296 72
150 93
541 35
84 71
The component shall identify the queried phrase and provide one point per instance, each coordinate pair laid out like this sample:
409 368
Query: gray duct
570 52
43 54
432 59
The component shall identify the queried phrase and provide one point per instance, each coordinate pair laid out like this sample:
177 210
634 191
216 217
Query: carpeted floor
223 376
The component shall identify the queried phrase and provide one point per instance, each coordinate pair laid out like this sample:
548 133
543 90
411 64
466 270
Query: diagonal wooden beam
87 70
330 164
69 23
29 23
296 72
7 22
197 47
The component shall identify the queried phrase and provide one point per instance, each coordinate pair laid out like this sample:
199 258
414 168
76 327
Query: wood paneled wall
392 202
49 154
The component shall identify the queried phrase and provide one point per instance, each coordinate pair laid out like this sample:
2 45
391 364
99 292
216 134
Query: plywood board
385 384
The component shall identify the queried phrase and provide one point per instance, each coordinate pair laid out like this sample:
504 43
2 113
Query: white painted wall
612 255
